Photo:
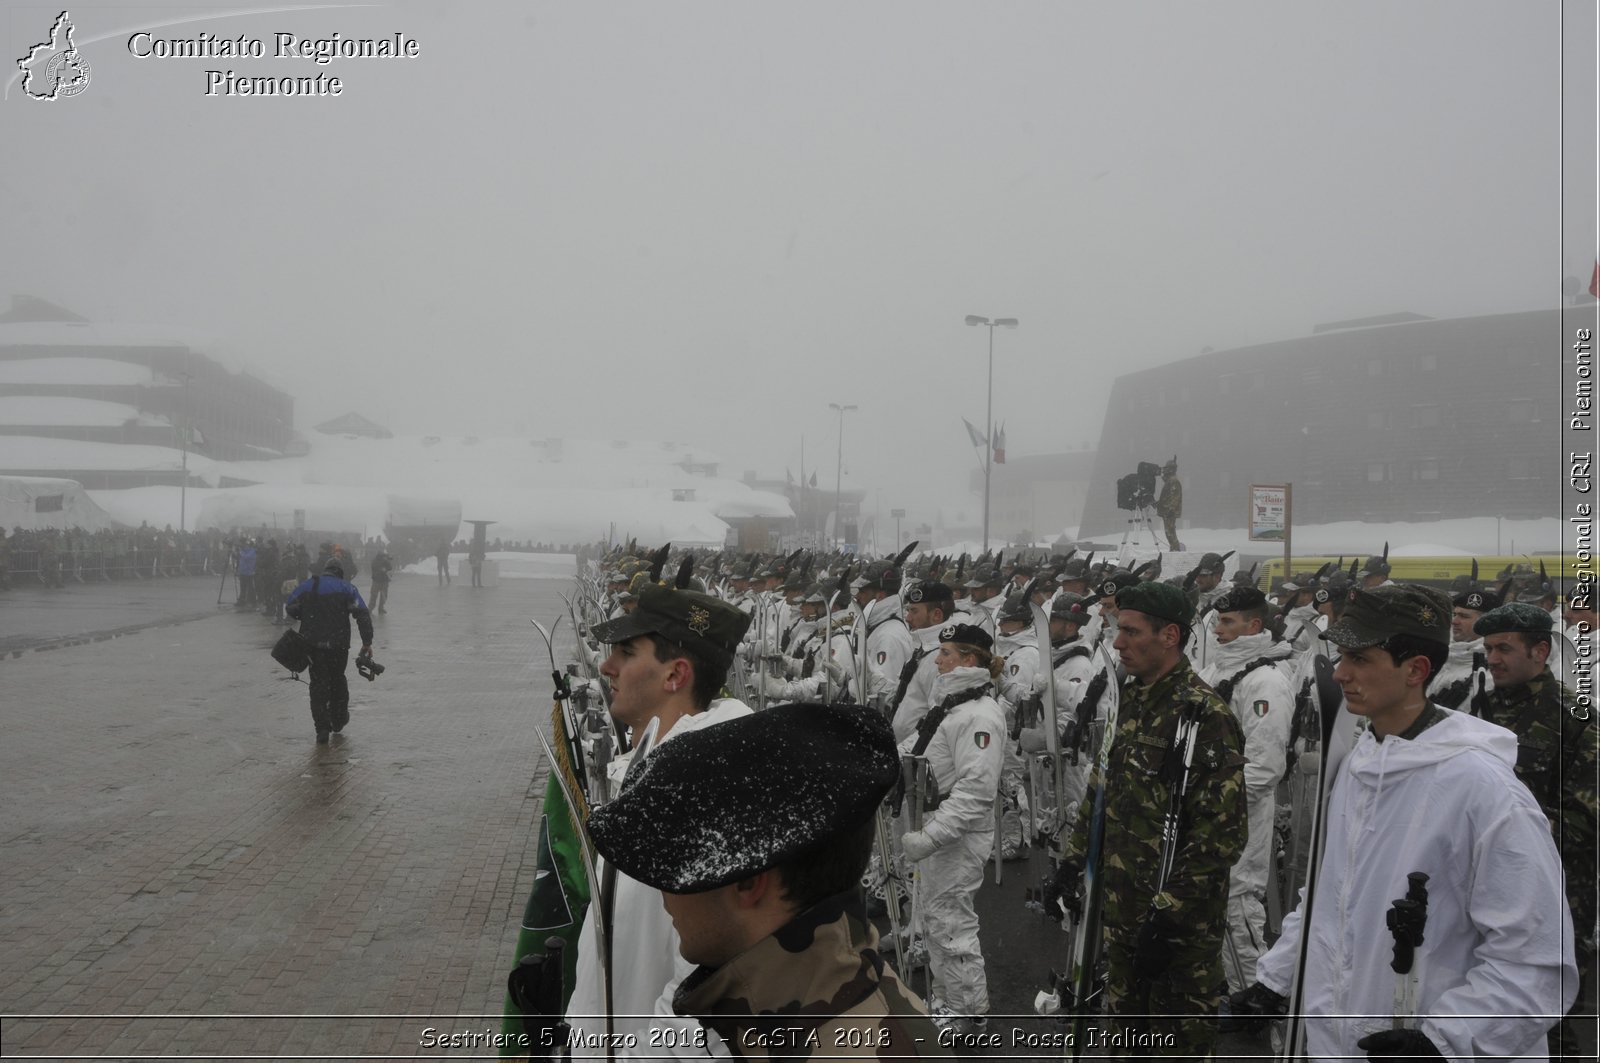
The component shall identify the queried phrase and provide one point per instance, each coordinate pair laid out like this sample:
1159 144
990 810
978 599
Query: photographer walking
324 605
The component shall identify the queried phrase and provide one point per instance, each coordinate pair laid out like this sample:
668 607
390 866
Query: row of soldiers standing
1257 656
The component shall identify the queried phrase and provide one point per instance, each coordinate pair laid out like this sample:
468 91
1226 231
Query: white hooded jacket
1496 966
964 758
1263 702
644 950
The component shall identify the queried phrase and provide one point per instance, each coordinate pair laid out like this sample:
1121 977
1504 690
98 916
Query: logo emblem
883 655
699 620
981 739
1261 708
55 69
1425 615
1474 600
948 633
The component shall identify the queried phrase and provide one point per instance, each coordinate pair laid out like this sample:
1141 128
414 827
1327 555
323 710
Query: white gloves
838 673
773 686
917 846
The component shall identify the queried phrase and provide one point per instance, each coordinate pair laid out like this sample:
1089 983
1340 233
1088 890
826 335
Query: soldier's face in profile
1146 647
704 925
1230 626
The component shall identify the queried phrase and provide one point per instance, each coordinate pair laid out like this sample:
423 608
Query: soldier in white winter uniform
1464 680
961 737
698 634
1430 790
1253 674
929 607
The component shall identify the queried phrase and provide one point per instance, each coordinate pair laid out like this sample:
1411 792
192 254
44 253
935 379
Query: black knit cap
932 592
1239 599
1401 609
1115 583
1477 598
967 635
722 803
1160 600
690 619
1210 565
334 567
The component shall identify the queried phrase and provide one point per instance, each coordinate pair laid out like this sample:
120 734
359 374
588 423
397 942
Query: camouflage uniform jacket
1556 759
1170 503
817 988
1212 830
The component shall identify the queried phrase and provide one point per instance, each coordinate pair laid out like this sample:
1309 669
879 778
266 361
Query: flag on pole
788 477
813 478
972 433
1000 445
1594 282
560 895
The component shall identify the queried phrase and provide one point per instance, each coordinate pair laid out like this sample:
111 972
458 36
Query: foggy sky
705 221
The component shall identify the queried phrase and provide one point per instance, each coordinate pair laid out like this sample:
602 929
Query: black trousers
330 693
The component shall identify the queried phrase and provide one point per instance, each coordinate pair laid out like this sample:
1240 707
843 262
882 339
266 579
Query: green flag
560 893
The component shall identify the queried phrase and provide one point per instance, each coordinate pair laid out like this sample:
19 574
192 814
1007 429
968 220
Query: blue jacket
324 605
247 561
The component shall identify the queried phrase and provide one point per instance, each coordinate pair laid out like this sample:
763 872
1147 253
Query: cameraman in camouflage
1169 504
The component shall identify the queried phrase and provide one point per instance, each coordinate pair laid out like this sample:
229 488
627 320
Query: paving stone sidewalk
184 873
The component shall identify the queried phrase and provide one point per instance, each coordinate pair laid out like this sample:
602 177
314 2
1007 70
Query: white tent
32 502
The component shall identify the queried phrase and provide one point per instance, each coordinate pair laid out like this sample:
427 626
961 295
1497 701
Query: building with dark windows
1384 419
63 378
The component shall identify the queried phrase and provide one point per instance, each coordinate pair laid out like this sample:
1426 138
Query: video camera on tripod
1137 490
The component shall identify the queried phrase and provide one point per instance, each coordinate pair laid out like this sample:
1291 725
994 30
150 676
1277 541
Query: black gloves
1063 886
1401 1046
1252 1009
1153 953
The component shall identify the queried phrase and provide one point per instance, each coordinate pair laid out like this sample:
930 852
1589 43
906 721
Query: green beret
722 803
1399 609
1515 616
693 620
1160 600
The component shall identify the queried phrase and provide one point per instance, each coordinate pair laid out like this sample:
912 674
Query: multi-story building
1402 418
65 378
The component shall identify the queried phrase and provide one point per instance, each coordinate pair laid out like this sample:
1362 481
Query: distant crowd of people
54 557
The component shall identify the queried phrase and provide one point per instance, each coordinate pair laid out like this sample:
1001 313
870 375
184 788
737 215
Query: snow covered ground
571 490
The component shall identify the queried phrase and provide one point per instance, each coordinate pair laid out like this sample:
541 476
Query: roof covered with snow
104 371
62 410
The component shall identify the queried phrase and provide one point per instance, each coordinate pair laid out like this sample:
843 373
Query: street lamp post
988 446
838 476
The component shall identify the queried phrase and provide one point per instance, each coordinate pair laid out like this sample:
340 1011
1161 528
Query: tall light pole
838 476
988 446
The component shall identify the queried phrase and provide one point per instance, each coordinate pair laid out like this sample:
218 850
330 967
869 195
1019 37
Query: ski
1085 942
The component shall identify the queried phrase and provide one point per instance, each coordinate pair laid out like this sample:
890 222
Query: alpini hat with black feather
722 803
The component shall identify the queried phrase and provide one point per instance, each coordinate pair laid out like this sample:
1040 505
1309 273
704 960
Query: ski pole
1406 918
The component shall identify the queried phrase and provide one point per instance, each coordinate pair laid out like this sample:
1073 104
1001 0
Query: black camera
1138 489
368 668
